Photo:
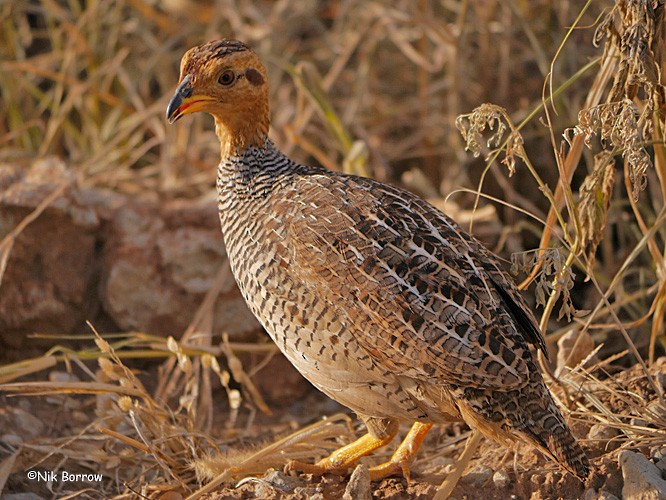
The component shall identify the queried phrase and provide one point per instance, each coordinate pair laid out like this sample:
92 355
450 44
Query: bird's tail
529 414
540 422
551 434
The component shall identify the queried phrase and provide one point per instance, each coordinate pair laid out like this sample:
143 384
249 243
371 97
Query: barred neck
255 171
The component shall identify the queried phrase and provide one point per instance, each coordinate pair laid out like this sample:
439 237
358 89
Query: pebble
310 492
657 409
603 436
28 423
478 476
11 440
605 495
642 478
501 478
658 456
593 494
358 487
658 453
282 481
61 376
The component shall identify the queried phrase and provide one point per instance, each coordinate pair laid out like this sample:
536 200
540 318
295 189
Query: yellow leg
343 458
446 488
404 455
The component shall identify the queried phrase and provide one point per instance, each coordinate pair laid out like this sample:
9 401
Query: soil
494 473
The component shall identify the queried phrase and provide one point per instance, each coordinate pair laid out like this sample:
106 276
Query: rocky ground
622 467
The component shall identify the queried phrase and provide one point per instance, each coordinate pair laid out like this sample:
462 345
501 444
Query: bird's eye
227 78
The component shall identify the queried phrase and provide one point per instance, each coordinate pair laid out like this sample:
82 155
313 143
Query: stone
501 478
48 284
592 494
478 476
12 440
658 455
310 492
642 478
572 348
282 481
603 436
358 487
159 263
605 495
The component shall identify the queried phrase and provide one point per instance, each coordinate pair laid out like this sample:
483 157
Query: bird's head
226 79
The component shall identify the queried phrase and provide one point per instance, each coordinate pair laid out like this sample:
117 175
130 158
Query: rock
605 495
311 492
26 423
281 481
658 455
62 376
358 487
657 409
642 479
260 488
593 494
12 440
48 284
590 494
121 262
478 476
658 452
159 263
603 436
501 478
572 348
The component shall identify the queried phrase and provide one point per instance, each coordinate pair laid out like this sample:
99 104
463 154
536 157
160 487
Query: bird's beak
184 102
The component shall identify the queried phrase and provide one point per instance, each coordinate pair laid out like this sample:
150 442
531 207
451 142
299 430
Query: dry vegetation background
568 158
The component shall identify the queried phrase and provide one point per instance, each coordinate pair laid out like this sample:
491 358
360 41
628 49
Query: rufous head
226 79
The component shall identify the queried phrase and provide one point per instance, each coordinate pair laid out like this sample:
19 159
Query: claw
341 460
404 456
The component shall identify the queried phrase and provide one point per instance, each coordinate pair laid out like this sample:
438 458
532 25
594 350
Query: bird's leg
404 455
452 479
380 433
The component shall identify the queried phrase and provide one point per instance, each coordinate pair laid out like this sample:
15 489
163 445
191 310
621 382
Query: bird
380 300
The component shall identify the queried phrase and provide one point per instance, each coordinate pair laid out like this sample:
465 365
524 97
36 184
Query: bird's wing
431 301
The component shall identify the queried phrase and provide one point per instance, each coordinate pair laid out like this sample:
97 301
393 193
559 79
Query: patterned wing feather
433 301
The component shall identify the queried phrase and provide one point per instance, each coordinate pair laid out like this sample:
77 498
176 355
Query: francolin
380 300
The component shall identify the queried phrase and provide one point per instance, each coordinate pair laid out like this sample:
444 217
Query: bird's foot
390 468
342 459
404 456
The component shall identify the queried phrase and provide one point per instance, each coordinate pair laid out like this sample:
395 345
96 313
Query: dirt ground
49 433
495 473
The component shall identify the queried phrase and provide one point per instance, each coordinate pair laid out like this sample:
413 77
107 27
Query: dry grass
375 88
